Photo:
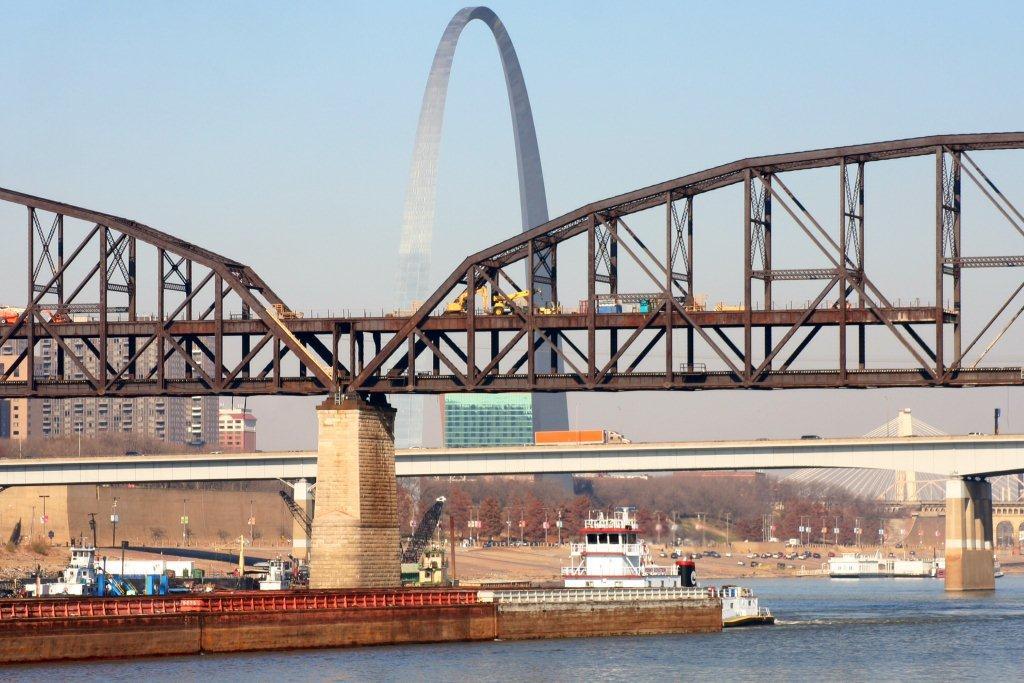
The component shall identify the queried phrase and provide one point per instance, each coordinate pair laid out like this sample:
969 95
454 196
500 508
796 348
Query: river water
878 629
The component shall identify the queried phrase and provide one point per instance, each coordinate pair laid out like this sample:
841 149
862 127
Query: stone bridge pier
969 557
355 529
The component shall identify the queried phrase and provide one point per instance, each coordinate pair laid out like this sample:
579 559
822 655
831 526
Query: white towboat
278 575
612 555
740 608
79 576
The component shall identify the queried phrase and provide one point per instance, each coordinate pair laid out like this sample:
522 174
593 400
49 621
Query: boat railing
635 549
577 595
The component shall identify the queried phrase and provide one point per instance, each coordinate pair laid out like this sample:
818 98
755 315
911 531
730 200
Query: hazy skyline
283 139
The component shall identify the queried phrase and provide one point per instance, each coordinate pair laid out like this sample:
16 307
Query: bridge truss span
218 328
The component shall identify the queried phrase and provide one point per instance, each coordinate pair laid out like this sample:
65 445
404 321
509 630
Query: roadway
945 455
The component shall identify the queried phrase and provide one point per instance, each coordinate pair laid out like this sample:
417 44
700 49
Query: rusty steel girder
218 328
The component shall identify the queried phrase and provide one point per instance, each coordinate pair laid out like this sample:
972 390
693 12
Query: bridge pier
969 558
355 529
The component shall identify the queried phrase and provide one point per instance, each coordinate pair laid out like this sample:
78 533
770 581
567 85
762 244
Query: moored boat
740 608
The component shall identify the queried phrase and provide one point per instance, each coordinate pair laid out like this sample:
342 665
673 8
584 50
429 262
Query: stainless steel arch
550 412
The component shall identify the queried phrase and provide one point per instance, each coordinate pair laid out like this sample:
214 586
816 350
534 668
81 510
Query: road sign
184 519
115 519
835 530
252 521
522 524
44 519
546 526
559 524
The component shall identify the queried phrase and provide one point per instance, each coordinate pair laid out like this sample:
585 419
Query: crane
298 513
423 532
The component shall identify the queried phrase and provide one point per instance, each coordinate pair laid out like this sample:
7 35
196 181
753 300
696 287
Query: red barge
91 628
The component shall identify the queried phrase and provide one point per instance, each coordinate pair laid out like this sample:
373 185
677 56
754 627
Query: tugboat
612 555
79 576
740 608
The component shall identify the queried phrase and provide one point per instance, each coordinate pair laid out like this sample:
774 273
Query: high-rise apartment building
174 419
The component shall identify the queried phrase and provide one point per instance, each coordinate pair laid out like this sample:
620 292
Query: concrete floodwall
148 516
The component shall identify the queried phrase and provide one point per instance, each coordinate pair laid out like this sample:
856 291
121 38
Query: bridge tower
969 557
355 540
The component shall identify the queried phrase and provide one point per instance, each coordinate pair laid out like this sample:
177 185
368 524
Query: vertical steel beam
747 277
132 304
842 268
861 329
189 316
161 376
30 357
531 318
956 255
939 258
471 326
591 301
60 288
669 308
767 232
104 231
691 299
218 338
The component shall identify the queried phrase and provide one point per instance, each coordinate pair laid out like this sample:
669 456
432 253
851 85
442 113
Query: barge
39 630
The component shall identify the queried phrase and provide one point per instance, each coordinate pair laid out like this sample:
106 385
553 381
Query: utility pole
835 530
114 519
44 520
559 525
728 529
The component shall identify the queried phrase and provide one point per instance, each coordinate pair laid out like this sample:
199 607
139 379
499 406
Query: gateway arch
549 410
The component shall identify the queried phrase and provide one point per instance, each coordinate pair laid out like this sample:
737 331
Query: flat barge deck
99 628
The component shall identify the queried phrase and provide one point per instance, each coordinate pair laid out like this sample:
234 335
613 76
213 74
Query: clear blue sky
281 135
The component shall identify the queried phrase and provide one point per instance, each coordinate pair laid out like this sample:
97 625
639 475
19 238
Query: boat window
602 538
591 538
630 538
613 538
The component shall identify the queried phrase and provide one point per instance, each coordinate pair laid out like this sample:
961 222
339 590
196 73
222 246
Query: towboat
612 555
79 577
740 608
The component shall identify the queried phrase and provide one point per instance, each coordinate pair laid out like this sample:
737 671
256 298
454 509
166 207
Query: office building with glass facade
487 420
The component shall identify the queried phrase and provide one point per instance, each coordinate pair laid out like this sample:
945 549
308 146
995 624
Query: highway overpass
946 455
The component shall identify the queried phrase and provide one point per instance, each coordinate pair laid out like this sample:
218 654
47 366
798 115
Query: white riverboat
612 555
858 566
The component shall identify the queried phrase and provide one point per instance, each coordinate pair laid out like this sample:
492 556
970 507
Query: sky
281 135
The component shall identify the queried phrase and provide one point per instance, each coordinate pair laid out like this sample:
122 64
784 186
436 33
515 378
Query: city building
237 430
487 420
14 413
182 420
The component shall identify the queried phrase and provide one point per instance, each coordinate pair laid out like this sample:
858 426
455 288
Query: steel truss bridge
218 327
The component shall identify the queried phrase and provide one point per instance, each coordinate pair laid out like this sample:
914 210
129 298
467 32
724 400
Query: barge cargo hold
94 628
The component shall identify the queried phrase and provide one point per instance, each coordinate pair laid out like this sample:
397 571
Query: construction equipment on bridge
550 308
458 305
284 313
422 562
298 513
502 304
723 307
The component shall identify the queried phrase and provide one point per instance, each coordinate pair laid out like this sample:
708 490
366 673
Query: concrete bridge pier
355 530
969 558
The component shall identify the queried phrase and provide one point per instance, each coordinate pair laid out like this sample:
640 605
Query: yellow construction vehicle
550 308
501 304
458 306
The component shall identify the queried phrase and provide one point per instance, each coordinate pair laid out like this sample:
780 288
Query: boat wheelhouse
613 555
